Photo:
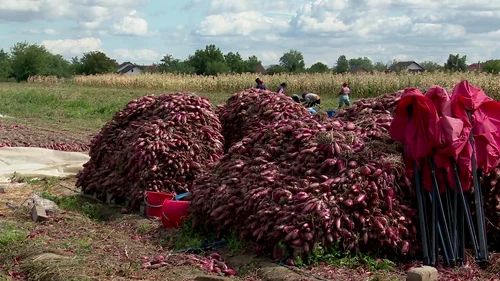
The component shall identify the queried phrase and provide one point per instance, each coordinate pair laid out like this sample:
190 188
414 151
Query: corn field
362 85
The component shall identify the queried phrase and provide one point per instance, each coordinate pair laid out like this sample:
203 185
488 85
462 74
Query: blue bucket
331 113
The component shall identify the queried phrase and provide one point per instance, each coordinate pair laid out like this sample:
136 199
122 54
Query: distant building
260 69
358 70
128 68
475 67
406 66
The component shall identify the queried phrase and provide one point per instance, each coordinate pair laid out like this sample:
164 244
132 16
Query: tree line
24 60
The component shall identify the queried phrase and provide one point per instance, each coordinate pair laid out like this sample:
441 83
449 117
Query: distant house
128 68
406 66
260 69
358 69
475 67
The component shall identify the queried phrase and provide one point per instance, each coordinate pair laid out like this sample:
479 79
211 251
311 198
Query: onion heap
252 109
156 143
491 196
302 183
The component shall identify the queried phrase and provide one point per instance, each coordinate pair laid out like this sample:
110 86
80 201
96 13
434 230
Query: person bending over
311 99
295 98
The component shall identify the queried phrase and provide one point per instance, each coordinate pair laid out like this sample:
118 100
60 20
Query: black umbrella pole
478 201
440 219
465 215
421 216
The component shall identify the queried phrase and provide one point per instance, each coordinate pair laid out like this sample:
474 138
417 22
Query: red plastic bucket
174 213
154 202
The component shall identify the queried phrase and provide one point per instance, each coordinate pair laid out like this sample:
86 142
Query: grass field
85 103
70 107
80 108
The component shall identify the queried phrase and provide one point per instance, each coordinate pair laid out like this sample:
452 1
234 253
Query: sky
142 31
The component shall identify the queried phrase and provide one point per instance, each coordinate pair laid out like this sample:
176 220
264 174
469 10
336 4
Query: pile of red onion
297 184
252 109
156 143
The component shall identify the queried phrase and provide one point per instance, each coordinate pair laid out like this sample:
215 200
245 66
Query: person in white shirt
311 99
344 95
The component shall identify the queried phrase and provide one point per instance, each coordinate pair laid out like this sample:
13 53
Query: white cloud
88 14
131 25
239 24
72 47
137 56
232 6
381 29
49 31
321 29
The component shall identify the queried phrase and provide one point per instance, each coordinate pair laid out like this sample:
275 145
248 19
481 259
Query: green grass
10 234
70 107
76 203
335 257
80 109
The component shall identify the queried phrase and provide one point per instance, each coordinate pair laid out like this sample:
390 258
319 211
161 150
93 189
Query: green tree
380 66
216 67
169 64
75 65
28 60
235 62
211 54
456 63
492 66
361 62
96 62
431 66
276 69
342 64
59 67
5 65
251 64
293 61
318 67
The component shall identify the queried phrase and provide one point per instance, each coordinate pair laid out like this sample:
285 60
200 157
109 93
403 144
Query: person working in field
282 88
344 95
295 98
260 84
311 99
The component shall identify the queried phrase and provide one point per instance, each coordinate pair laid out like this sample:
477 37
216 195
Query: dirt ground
90 241
85 244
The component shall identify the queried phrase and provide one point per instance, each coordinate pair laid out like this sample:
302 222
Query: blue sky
142 31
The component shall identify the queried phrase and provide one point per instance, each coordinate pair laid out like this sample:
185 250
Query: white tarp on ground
39 162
